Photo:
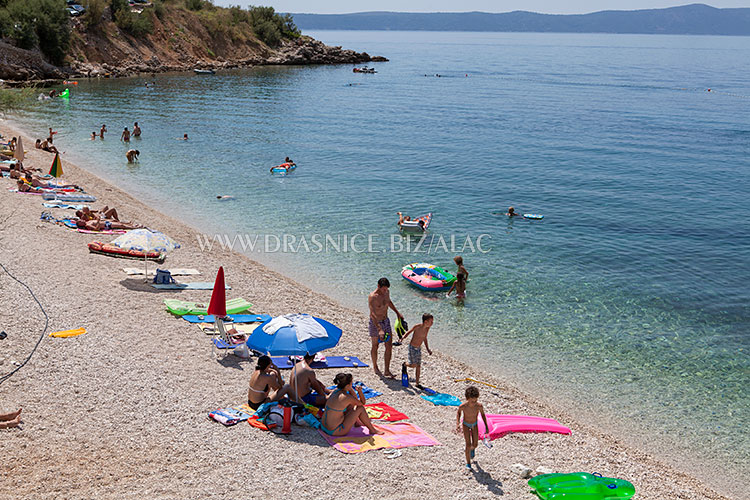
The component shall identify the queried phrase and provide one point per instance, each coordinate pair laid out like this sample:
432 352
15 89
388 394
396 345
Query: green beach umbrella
56 168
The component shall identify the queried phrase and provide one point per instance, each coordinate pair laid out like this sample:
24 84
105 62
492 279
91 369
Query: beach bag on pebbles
163 277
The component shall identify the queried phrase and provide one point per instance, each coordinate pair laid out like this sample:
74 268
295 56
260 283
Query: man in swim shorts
380 326
302 383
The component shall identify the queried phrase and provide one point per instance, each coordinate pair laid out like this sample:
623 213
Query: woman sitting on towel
343 411
265 383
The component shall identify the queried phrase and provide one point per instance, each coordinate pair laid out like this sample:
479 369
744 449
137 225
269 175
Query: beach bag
163 277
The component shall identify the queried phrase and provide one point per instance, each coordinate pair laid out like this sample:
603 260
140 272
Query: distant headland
695 19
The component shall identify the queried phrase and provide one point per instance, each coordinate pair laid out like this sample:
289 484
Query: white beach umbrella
146 240
18 155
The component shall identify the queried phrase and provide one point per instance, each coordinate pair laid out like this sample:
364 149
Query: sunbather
25 188
36 182
87 214
8 420
343 410
303 381
265 383
105 225
45 145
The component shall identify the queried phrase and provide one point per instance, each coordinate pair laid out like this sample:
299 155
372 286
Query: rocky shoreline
19 67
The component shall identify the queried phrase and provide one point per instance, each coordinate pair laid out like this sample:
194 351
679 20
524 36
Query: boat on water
428 277
204 71
364 69
418 225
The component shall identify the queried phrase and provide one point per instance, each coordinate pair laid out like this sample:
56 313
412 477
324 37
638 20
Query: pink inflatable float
500 425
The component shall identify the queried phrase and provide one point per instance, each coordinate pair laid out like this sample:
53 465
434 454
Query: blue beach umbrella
284 341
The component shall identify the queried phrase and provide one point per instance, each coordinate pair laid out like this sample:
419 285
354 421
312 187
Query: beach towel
134 271
232 415
307 328
60 204
196 285
68 333
366 391
500 425
255 421
283 363
181 307
441 399
381 411
399 435
235 318
276 323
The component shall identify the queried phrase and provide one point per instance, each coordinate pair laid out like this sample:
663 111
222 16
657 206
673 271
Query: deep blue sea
628 304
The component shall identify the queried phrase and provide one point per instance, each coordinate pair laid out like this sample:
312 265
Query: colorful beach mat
195 285
381 411
235 318
283 363
399 435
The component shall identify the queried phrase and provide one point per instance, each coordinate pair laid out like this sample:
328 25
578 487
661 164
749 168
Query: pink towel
500 425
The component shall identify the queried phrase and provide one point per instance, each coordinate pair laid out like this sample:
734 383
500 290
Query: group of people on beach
344 405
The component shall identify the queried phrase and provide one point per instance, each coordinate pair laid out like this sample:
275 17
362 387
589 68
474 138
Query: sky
543 6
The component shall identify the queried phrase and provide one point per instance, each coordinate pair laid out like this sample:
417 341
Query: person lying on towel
105 225
87 214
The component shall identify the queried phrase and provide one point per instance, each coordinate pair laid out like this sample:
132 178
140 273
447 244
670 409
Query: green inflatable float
65 94
581 486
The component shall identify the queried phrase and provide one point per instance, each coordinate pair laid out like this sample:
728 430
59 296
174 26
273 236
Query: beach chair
221 338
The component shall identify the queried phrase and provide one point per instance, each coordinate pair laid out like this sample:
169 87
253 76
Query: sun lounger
180 307
197 285
114 251
225 338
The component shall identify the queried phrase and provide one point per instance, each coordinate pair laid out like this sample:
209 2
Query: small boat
428 277
284 168
364 69
418 225
204 71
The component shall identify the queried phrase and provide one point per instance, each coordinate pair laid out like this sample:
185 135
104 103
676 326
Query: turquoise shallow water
630 299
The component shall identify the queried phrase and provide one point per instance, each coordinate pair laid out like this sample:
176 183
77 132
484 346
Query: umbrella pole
145 266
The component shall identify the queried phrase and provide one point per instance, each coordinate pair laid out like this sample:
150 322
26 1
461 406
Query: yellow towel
68 333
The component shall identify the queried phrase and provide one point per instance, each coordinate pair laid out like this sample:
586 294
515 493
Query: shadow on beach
141 285
482 477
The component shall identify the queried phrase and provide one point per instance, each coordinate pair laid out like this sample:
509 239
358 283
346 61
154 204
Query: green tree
39 23
94 11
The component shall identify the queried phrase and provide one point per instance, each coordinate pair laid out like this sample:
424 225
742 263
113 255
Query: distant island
695 19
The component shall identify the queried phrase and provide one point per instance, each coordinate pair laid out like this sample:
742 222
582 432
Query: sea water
626 305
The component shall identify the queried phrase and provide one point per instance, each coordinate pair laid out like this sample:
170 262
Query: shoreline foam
126 403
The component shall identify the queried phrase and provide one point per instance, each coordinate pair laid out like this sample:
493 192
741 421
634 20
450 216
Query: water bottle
404 376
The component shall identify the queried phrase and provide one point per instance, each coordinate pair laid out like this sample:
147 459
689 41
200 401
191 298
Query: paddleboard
533 216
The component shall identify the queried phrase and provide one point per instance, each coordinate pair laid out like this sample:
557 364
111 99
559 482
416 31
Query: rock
543 470
521 470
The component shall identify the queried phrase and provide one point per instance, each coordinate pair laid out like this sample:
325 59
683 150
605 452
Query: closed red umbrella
218 304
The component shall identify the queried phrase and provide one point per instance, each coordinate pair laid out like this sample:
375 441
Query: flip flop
395 454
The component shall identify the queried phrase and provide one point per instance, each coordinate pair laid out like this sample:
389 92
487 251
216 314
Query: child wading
471 410
415 346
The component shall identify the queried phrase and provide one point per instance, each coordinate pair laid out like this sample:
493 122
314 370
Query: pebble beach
121 411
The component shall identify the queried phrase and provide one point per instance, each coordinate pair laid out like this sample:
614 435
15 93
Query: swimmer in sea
223 197
512 212
93 136
132 155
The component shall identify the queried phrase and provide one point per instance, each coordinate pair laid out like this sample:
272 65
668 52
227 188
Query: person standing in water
132 155
136 130
102 130
125 135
